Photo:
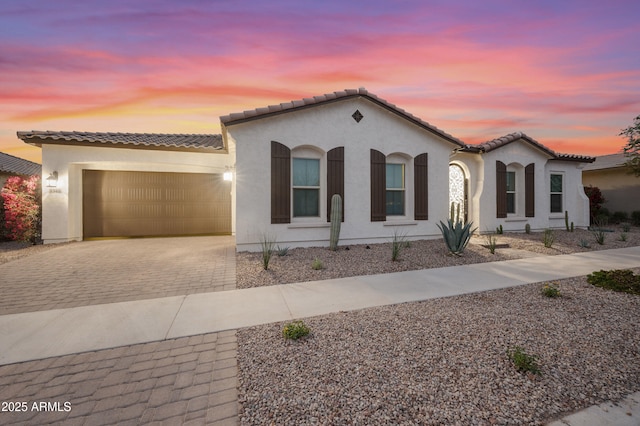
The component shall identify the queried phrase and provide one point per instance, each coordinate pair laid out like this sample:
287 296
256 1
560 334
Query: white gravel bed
423 254
444 361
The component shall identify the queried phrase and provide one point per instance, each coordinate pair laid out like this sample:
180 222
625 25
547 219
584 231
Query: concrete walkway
43 334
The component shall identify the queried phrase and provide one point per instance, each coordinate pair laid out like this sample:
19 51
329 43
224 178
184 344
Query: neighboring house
14 166
620 189
395 172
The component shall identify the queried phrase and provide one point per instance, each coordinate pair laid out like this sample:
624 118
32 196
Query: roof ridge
283 107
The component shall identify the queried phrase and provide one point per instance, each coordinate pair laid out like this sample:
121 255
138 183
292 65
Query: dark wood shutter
529 191
335 177
501 189
378 186
280 183
421 192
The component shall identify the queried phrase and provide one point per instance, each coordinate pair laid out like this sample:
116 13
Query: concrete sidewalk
37 335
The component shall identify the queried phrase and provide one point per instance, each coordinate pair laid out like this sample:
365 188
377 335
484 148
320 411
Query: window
556 193
511 192
394 189
306 187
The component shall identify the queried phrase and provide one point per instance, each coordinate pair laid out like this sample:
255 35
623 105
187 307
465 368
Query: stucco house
620 189
395 172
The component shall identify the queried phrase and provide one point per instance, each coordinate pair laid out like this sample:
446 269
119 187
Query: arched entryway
459 189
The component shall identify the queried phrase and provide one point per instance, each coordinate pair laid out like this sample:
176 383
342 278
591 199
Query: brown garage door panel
127 204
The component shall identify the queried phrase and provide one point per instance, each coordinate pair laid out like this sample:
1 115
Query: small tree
632 148
595 199
22 202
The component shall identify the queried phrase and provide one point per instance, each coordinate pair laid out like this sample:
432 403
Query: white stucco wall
517 155
62 206
325 127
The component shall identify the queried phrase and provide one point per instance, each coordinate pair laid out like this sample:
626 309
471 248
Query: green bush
527 229
623 236
551 290
584 243
295 330
317 264
622 280
626 227
523 361
619 217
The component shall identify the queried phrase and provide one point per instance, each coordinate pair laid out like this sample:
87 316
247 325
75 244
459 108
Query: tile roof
14 165
610 161
512 137
253 114
146 140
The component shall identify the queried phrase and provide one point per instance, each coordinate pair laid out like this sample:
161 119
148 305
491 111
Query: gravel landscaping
441 361
444 361
423 254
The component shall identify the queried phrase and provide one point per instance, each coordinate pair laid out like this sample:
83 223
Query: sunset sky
567 73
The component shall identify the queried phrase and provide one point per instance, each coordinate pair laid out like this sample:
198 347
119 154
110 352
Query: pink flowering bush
22 202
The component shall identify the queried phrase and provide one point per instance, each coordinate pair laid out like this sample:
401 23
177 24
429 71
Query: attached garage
134 184
141 204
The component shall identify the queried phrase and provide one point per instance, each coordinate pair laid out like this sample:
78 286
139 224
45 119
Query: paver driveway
189 380
107 271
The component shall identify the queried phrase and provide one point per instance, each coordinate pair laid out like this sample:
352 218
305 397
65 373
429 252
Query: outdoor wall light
52 180
228 174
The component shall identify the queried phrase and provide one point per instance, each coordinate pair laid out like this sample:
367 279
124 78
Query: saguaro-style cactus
336 219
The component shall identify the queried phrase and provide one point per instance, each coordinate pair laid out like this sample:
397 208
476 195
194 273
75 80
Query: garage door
137 204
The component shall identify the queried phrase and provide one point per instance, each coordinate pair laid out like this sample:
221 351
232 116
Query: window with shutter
420 188
378 182
529 190
280 183
501 189
335 177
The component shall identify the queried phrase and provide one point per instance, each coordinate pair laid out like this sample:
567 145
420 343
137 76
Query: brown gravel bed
444 361
423 254
13 250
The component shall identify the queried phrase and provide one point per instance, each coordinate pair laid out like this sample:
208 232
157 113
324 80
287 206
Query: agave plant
455 233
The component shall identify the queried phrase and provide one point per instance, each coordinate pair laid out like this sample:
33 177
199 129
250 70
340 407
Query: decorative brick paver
96 272
190 380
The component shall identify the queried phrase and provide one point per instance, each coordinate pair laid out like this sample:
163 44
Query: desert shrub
527 229
548 238
492 242
295 330
598 231
523 361
22 205
455 233
622 280
267 244
595 199
282 251
635 218
584 243
551 290
316 264
623 236
626 227
398 243
619 217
